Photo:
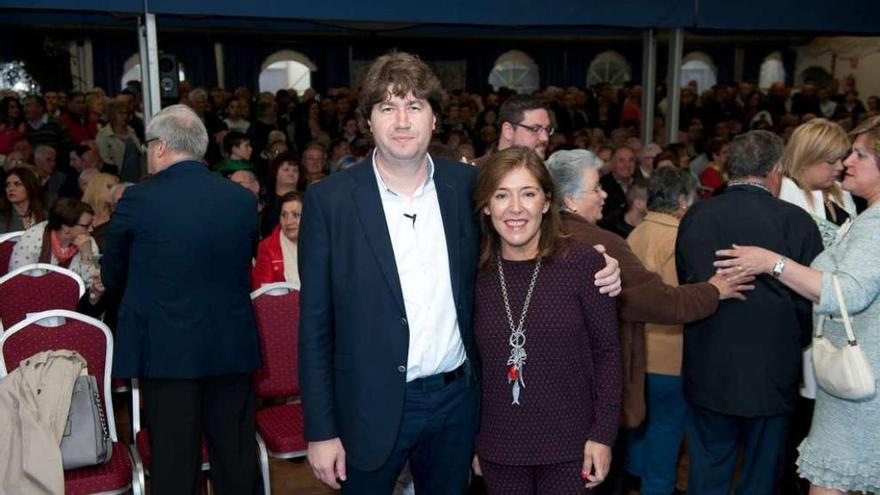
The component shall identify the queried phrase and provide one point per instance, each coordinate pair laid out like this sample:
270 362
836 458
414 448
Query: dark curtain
196 53
110 53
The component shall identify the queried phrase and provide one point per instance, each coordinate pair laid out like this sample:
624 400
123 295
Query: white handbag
842 372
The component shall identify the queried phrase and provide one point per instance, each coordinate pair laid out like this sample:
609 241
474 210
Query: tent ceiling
569 16
621 13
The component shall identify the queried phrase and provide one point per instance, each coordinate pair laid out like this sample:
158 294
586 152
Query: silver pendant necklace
517 340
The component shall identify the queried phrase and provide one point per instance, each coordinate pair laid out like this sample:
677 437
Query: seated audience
284 177
277 254
21 207
237 149
119 145
98 195
64 240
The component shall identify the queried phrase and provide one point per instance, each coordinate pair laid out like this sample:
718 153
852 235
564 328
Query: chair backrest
7 243
37 287
276 307
61 329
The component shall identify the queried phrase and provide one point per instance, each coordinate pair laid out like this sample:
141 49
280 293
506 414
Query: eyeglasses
536 129
146 143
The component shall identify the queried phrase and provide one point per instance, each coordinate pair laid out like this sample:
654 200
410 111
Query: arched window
515 70
14 76
286 69
772 71
132 70
817 74
609 67
697 66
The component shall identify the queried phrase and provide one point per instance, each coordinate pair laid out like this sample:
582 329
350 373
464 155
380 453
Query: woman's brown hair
276 163
871 127
34 194
491 174
67 211
400 73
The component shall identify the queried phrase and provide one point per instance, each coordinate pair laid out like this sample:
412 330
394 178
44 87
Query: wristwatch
778 267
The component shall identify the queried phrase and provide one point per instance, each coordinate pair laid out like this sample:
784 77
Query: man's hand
96 288
327 460
597 462
608 278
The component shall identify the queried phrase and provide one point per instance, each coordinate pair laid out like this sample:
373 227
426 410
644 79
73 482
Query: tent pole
673 84
149 53
221 66
649 84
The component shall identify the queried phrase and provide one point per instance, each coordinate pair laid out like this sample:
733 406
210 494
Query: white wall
863 52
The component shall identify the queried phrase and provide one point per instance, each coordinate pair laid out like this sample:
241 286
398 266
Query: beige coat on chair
34 403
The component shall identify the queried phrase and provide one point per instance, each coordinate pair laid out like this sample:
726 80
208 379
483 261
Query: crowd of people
602 298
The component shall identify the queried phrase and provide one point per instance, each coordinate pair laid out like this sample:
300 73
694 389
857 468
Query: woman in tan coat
654 446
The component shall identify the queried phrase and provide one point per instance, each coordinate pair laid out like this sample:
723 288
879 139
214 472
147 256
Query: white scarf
288 251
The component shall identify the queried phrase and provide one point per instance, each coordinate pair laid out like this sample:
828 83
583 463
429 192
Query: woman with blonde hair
118 144
812 163
98 195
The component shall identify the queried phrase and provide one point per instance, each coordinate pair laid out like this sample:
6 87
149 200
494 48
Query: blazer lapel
446 196
368 205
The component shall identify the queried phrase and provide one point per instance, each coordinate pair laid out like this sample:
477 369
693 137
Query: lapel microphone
411 217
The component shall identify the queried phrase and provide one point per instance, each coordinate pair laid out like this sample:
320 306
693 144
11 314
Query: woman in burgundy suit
551 373
277 254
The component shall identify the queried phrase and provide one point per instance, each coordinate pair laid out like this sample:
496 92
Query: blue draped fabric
849 16
629 13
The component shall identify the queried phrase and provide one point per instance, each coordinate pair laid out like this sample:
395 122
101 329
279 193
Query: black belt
438 381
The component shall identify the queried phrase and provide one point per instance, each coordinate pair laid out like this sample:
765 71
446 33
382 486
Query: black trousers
177 412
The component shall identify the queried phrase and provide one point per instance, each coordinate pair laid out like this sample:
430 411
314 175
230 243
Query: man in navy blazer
179 246
388 256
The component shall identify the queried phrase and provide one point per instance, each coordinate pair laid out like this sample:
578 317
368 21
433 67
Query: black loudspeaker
169 77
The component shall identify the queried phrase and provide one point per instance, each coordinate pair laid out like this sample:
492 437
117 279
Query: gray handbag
86 440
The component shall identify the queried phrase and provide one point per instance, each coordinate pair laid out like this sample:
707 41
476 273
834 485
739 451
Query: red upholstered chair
62 329
35 288
280 431
7 242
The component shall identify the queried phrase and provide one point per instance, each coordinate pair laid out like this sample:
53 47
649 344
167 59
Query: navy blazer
180 246
354 338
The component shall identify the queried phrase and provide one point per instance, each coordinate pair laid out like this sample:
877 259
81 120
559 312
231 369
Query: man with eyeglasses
186 325
525 121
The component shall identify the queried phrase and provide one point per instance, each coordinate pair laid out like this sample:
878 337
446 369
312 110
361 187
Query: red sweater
572 373
269 267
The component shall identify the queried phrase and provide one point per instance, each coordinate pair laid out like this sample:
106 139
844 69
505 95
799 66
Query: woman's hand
475 465
732 286
83 243
745 260
597 462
